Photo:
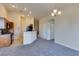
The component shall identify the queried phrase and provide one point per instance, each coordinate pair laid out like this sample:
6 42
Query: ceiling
38 10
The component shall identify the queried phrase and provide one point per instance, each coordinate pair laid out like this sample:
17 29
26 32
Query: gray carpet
40 47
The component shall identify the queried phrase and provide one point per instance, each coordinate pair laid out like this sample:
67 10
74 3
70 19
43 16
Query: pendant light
55 11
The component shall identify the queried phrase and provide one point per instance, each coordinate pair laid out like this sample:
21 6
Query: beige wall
36 24
20 23
3 12
15 17
29 20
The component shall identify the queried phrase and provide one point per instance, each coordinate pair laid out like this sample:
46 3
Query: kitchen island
29 37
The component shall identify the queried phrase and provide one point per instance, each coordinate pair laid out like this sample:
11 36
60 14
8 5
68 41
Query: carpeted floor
40 47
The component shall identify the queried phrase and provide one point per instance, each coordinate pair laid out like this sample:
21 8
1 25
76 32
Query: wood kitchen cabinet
6 34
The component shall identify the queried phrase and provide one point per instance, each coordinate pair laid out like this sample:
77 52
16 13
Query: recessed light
25 9
13 6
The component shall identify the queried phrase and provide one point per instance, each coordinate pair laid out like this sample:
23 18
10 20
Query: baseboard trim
67 46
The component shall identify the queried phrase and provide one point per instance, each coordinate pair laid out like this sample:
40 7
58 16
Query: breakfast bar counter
29 37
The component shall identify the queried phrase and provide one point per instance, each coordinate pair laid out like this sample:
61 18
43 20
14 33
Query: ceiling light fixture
59 12
13 6
52 14
25 9
56 11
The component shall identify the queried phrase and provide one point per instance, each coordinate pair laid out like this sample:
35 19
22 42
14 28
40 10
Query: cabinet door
2 23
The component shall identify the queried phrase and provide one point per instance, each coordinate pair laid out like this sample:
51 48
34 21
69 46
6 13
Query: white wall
45 28
67 28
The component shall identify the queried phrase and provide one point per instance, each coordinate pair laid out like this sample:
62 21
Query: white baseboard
66 46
